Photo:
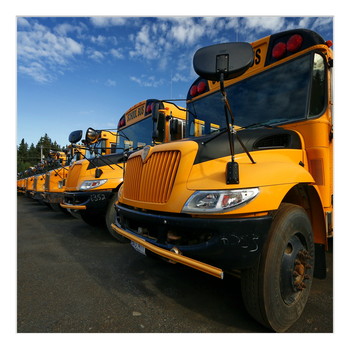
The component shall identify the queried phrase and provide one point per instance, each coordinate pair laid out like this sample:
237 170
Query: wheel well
307 197
115 190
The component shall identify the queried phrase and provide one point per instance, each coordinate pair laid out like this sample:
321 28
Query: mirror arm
232 130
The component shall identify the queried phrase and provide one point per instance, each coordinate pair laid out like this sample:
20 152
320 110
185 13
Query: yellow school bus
56 175
92 184
254 193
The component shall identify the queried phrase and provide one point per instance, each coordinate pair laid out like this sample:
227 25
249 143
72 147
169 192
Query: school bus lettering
257 56
136 113
250 187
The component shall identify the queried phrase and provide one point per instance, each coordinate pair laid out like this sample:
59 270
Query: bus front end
243 191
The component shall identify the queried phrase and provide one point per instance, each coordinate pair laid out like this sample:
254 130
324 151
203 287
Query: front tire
111 217
276 289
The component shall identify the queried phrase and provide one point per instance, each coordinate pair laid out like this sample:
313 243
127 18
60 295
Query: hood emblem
145 152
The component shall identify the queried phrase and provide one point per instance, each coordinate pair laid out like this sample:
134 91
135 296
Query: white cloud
100 39
147 81
187 31
108 21
65 28
322 22
179 77
36 71
260 24
146 46
110 83
96 55
22 22
41 53
117 53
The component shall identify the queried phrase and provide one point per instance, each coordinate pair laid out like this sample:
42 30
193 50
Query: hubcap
294 268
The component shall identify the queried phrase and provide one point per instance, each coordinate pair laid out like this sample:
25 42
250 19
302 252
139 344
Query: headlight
218 201
88 185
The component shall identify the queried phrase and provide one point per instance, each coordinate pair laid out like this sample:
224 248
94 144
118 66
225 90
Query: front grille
151 181
73 175
35 183
47 183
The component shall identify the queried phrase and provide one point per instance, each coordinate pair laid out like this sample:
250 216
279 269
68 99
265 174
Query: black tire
57 207
92 219
276 289
111 217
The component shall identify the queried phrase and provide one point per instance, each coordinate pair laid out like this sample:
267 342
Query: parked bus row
247 186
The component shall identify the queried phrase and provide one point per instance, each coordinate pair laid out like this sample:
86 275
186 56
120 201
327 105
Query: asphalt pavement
75 278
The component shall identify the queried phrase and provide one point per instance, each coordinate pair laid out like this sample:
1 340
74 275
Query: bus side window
318 88
198 127
176 129
113 147
128 145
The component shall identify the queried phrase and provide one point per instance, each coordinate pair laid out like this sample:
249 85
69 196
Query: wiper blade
215 134
270 124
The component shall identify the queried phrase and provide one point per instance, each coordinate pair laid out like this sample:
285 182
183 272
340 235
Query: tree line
30 156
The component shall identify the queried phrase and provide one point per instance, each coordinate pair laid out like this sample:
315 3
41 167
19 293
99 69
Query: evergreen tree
27 157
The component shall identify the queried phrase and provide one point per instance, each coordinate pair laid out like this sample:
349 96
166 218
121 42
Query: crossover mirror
92 135
75 136
223 61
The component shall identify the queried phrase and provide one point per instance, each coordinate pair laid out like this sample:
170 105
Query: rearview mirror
229 60
75 136
92 135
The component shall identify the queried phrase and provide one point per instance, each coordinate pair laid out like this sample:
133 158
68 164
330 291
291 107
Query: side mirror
92 135
155 119
174 125
230 60
75 136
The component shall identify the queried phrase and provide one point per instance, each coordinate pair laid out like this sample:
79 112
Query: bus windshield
277 96
136 135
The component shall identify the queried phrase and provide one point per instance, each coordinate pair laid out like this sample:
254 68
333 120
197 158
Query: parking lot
76 278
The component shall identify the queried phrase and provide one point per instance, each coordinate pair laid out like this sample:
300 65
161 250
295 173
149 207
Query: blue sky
77 72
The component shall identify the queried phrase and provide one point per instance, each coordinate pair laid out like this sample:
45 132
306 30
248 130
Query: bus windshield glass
136 135
277 96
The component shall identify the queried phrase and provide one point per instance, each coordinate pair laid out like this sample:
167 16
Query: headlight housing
90 184
218 201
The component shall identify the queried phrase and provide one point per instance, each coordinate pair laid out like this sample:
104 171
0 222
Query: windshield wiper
269 124
214 135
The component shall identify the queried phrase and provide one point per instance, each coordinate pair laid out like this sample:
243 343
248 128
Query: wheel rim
294 278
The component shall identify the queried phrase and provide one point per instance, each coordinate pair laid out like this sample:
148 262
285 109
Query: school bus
92 185
254 193
21 182
39 181
56 176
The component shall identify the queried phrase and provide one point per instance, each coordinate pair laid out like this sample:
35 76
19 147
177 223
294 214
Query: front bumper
53 197
95 201
228 243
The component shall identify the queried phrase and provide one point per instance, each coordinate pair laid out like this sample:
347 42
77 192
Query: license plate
141 249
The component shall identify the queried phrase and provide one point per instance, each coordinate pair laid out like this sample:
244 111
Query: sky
80 72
